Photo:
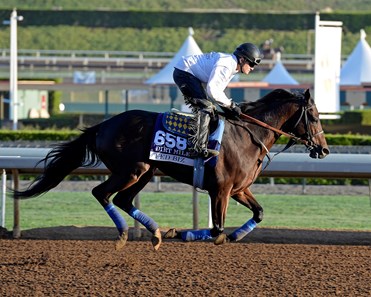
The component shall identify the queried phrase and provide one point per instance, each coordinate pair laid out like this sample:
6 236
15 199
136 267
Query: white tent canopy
279 75
357 69
165 75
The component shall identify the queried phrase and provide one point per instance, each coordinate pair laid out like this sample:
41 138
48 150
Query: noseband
307 137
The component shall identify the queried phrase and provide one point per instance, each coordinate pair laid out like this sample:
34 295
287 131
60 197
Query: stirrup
209 153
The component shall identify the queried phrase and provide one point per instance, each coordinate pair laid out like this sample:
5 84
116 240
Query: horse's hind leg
102 193
116 183
124 200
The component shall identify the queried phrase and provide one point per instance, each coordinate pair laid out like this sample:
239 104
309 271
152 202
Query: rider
215 70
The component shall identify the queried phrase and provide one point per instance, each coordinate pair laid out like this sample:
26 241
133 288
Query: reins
265 125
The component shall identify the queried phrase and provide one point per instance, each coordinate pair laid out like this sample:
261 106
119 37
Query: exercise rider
215 70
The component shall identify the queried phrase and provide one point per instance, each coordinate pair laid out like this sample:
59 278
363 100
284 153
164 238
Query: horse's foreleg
189 235
247 199
218 209
241 232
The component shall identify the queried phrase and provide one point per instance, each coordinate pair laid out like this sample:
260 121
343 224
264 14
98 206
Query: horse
123 143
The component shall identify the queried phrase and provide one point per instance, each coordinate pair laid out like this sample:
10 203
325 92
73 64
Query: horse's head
307 128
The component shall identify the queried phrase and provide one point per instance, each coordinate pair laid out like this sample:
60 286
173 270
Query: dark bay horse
123 143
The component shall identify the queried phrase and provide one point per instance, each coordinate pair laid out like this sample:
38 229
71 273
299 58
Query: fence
125 59
18 161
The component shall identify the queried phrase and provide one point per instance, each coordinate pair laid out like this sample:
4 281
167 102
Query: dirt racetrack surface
82 261
73 261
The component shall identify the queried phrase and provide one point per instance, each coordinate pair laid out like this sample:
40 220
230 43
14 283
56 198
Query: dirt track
318 263
74 261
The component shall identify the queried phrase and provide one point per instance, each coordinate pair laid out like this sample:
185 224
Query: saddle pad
171 144
177 123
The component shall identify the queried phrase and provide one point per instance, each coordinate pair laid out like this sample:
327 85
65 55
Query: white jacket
216 70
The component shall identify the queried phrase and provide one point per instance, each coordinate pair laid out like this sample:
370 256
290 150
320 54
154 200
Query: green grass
175 210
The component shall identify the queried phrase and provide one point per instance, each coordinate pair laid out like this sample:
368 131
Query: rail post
195 208
137 232
3 198
16 225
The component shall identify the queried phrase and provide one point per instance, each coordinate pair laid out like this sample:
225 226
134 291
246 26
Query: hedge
53 135
213 20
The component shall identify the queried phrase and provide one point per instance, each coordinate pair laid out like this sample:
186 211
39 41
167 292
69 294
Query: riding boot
203 135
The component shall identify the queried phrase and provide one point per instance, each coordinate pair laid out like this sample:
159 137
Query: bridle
306 138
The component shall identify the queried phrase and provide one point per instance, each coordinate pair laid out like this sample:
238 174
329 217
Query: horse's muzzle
318 152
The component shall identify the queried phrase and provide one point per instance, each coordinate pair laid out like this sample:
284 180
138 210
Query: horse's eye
315 120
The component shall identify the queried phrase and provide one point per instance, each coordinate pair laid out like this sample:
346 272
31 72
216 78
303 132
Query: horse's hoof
156 240
121 241
171 233
221 239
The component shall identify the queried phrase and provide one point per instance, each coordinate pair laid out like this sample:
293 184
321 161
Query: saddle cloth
171 140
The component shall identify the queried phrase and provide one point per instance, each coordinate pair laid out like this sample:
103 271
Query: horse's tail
61 161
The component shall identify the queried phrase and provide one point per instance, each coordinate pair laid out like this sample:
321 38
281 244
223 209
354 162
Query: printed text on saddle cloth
171 144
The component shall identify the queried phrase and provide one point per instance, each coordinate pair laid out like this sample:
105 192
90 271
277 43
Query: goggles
251 63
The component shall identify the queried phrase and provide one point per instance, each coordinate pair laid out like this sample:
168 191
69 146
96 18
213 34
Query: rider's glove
235 109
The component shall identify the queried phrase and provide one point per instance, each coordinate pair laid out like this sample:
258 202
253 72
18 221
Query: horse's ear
307 95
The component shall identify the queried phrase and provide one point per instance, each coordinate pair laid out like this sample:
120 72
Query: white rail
283 165
46 58
18 161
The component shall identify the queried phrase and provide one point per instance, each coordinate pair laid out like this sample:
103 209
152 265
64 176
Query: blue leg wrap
145 220
241 232
192 235
117 218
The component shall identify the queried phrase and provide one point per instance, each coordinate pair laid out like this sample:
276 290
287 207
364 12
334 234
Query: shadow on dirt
259 235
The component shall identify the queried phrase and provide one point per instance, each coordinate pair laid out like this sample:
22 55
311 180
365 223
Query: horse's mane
270 101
